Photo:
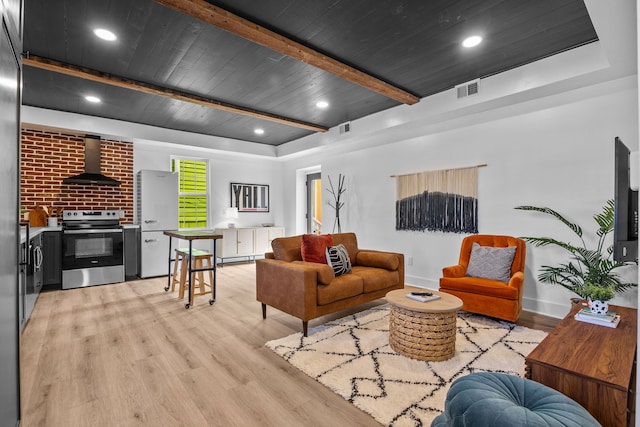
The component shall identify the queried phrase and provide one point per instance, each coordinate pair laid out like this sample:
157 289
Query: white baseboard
547 308
421 282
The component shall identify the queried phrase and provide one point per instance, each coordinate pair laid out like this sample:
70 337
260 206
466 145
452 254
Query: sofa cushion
314 247
287 248
374 279
350 242
324 272
341 287
384 260
338 259
490 262
480 286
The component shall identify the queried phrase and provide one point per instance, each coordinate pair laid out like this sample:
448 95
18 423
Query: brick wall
49 157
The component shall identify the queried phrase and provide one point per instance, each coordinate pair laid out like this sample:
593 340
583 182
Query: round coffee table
423 330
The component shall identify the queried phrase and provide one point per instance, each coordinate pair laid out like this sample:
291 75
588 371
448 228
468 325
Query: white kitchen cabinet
264 236
236 242
245 242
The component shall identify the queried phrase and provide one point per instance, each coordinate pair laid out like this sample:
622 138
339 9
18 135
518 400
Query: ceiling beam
244 28
100 77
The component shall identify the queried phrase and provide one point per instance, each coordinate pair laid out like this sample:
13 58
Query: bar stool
182 271
197 277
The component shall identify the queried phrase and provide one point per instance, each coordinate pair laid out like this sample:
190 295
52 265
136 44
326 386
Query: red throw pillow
314 247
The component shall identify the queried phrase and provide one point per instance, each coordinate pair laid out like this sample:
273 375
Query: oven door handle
93 230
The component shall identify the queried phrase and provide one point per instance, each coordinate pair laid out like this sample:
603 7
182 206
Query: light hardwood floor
130 354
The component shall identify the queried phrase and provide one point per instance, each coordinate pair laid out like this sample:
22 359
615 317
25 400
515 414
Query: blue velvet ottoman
498 400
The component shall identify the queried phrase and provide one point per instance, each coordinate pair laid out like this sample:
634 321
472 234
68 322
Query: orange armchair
486 295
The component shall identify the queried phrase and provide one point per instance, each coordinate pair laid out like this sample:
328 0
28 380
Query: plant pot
598 307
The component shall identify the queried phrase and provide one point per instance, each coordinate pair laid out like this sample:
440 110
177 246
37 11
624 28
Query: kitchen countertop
34 231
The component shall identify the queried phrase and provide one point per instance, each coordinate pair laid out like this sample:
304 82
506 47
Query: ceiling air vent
468 88
345 127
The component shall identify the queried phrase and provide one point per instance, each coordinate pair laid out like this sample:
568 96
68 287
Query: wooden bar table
190 236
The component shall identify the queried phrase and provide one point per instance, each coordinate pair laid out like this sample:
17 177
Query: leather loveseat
308 290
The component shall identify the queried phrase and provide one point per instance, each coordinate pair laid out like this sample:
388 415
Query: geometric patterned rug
352 357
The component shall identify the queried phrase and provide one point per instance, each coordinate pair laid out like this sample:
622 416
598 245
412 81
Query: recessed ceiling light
258 131
322 104
472 41
105 34
92 98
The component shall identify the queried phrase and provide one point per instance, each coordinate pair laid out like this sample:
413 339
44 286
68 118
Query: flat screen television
625 232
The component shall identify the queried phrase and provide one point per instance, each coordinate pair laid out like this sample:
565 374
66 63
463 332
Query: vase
598 307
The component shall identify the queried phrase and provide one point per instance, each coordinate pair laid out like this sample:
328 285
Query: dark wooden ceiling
413 45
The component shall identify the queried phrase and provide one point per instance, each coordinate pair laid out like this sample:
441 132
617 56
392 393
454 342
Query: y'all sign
250 197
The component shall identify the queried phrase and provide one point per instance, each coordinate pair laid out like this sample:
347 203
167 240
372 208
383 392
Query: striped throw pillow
338 259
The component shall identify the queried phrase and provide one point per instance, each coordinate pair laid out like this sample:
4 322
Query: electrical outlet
410 260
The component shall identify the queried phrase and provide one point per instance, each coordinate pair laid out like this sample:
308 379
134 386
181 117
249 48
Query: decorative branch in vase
337 204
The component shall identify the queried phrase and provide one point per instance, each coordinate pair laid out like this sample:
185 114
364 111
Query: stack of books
423 296
610 320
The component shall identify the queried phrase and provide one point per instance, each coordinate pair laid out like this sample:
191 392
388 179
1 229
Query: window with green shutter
193 197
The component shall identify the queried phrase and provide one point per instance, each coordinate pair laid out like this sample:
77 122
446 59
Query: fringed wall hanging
442 200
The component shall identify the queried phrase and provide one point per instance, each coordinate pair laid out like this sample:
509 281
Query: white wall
543 147
555 152
224 169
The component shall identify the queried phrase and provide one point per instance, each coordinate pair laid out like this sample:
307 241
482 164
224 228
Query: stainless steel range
92 248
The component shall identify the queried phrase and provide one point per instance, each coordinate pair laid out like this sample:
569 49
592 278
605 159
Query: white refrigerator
157 210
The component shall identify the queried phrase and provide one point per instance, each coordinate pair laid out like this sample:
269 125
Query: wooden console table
592 364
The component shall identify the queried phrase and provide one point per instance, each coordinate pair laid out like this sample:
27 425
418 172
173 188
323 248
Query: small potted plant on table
598 297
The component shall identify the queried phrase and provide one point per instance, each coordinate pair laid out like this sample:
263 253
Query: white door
314 203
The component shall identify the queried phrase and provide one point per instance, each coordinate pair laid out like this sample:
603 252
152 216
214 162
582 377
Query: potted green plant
589 272
598 297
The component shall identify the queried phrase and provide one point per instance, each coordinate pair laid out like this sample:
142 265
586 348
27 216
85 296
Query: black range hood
91 174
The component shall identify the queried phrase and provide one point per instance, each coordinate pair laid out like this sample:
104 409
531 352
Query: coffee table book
608 321
586 311
423 298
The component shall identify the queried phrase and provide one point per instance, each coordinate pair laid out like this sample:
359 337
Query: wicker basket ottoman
423 330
